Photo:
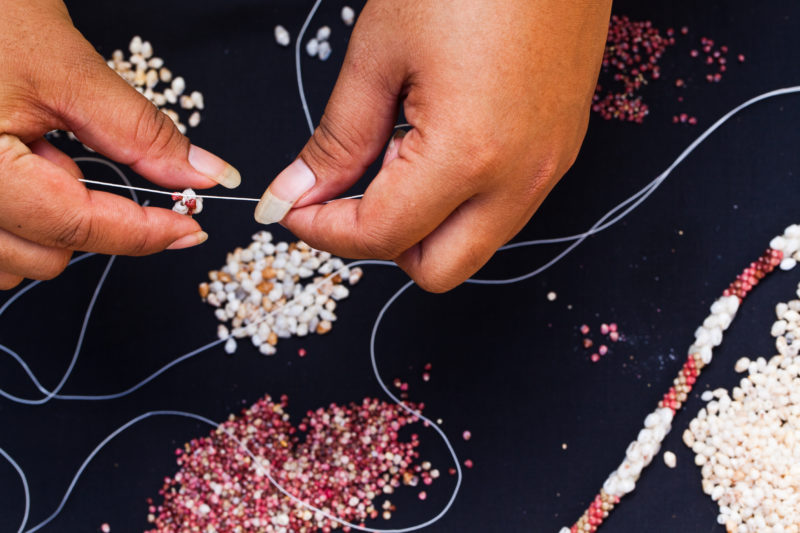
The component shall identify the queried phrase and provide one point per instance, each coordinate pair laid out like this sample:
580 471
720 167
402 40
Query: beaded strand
784 252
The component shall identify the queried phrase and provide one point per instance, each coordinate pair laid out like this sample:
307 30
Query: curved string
25 488
299 68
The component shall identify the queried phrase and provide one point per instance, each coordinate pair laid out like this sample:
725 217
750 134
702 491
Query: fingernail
284 191
393 148
214 168
187 241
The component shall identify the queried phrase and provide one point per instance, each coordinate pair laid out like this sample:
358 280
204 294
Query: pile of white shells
148 75
747 443
273 290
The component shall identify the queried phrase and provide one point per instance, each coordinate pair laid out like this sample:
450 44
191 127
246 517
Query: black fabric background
508 364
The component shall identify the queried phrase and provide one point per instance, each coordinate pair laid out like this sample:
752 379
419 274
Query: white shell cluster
274 290
747 443
148 75
319 46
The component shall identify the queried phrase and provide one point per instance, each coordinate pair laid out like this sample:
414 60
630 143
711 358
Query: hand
498 95
52 78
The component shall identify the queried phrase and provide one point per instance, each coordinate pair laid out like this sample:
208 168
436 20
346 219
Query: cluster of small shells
148 75
273 290
747 443
318 46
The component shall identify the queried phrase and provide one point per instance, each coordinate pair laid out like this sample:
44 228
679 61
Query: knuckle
74 232
333 145
485 154
541 176
157 130
143 243
142 246
474 158
378 244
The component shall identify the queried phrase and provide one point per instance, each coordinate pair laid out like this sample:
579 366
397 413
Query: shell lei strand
784 252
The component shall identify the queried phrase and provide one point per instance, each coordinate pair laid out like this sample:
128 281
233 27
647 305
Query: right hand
52 78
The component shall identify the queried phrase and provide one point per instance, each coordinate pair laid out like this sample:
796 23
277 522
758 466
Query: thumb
352 132
112 118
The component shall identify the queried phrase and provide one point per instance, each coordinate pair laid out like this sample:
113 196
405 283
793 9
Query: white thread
299 68
167 193
97 450
113 167
24 488
151 377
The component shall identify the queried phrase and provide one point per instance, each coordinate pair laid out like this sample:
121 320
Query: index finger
43 203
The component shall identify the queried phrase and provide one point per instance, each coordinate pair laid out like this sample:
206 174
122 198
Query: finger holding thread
112 118
352 132
55 210
43 148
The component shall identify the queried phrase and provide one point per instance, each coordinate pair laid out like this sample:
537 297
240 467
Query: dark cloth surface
507 364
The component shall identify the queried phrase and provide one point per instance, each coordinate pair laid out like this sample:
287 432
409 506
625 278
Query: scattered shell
670 460
323 34
199 101
135 46
742 365
178 85
282 36
324 51
348 15
312 47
